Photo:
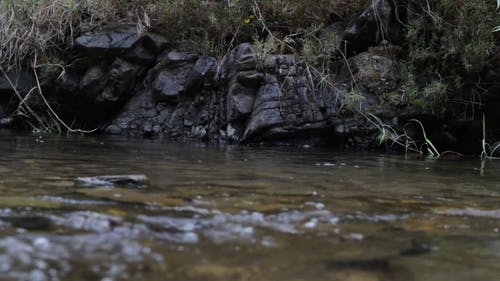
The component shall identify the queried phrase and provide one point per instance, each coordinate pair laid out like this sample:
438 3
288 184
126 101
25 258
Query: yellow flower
249 19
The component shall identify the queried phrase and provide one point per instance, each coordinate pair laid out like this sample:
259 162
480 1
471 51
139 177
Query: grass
488 151
431 149
450 40
47 28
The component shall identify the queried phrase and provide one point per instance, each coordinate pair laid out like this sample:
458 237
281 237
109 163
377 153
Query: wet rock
110 180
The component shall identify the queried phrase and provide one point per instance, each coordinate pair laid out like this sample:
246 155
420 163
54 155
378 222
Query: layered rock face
138 85
240 99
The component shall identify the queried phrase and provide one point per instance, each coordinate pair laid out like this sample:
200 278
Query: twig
54 114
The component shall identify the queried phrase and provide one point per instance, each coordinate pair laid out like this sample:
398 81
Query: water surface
240 213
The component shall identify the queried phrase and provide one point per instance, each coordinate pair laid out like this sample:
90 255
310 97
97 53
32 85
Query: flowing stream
202 212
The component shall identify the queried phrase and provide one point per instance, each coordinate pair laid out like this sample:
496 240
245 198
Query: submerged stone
110 180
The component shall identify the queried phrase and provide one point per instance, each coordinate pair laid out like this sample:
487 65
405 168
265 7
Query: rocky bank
143 85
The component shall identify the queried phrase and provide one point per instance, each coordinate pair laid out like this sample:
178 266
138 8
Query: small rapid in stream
201 212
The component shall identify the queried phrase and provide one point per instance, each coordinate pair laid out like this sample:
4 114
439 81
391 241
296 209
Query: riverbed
207 212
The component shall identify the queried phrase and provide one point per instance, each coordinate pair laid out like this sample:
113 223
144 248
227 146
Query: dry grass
47 28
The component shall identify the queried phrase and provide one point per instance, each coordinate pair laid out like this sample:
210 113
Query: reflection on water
236 213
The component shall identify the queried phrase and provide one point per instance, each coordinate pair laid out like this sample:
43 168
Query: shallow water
236 213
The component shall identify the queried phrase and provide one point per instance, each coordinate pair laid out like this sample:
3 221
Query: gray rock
167 87
138 48
110 180
154 42
113 130
119 40
202 74
245 58
250 79
266 109
93 81
240 101
174 58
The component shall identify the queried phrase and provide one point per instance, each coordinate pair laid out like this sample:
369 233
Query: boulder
106 41
138 48
202 75
240 101
167 87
